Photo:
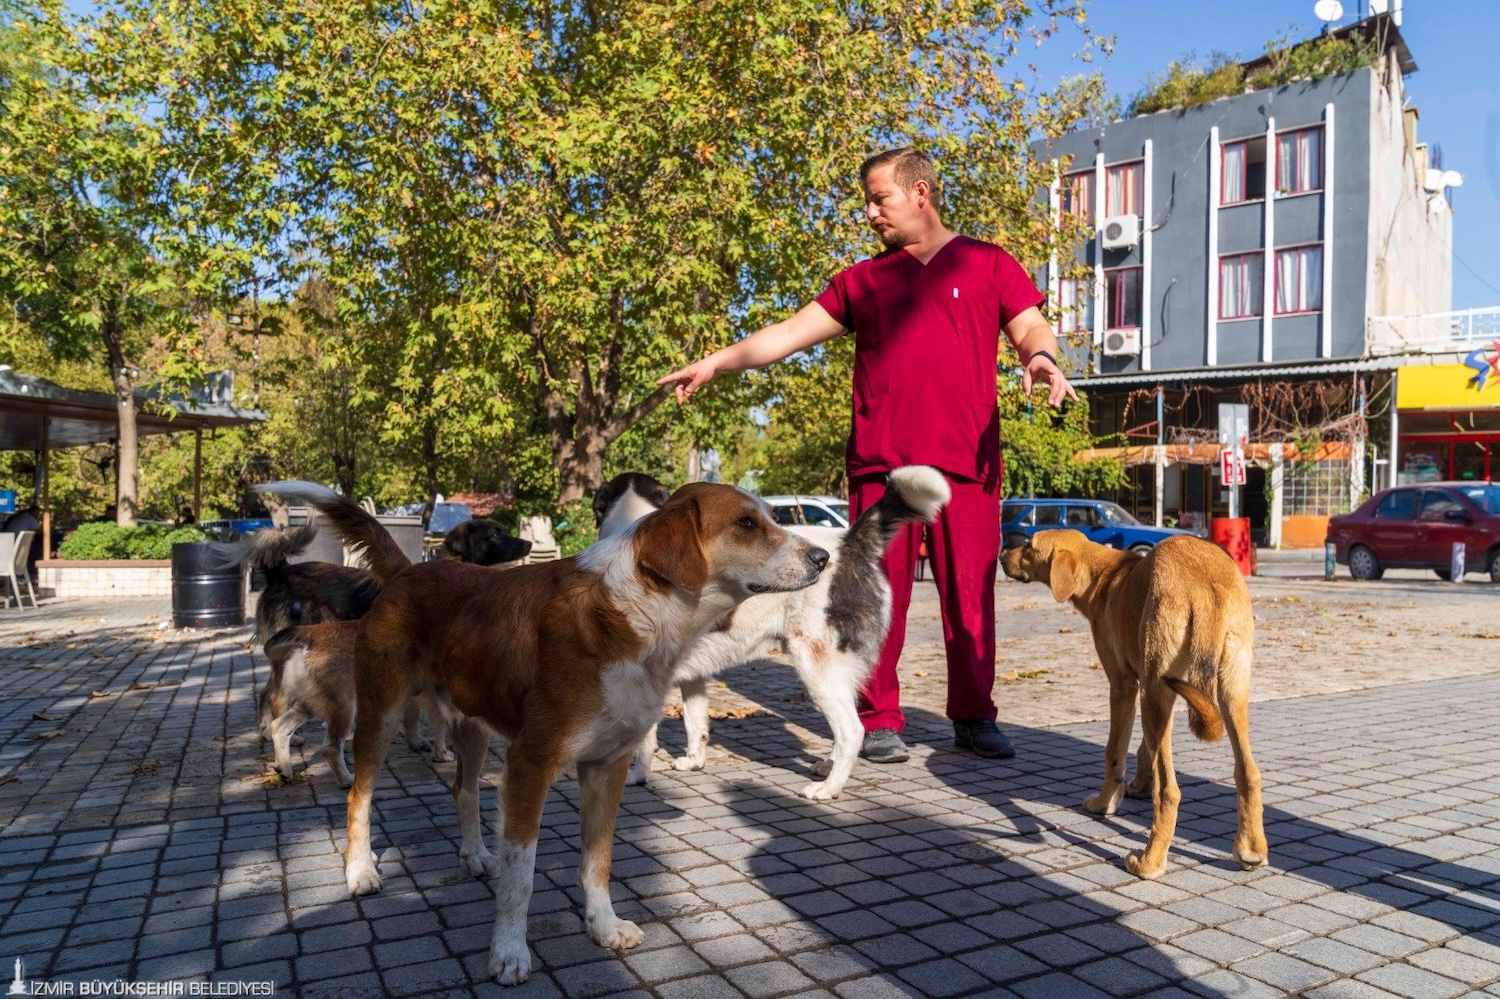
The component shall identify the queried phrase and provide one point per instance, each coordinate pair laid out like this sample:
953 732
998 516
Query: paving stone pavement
139 841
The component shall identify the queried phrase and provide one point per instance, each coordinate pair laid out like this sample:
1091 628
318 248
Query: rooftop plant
1186 82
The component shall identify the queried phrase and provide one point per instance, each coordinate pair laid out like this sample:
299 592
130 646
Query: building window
1299 279
1075 300
1241 285
1122 189
1123 298
1077 195
1299 161
1244 176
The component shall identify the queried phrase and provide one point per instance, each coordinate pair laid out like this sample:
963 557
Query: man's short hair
909 166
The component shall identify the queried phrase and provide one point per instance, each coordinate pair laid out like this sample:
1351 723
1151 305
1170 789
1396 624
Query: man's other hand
686 380
1041 369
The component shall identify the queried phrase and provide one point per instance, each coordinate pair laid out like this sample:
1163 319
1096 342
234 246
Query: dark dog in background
483 542
625 499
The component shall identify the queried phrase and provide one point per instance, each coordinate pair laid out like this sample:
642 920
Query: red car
1415 527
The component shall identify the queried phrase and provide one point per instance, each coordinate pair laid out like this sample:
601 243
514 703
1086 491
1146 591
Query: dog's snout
818 557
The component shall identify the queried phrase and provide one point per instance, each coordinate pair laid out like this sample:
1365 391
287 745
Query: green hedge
106 541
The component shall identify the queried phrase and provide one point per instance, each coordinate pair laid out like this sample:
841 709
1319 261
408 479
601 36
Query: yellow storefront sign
1475 384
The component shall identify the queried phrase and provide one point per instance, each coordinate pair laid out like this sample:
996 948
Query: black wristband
1044 353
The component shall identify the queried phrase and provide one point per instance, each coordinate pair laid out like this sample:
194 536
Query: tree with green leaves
98 258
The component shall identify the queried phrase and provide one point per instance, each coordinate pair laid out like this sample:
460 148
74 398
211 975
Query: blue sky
1456 88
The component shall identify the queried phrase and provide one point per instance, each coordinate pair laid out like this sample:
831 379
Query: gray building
1239 249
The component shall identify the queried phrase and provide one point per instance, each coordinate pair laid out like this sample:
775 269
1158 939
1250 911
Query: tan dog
571 661
1174 621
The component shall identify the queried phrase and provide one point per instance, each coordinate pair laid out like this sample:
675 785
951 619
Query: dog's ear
668 546
1065 574
602 496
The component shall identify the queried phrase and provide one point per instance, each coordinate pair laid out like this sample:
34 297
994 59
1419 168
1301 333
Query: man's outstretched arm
811 325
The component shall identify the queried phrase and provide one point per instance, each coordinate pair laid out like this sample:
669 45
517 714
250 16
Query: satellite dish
1452 178
1328 10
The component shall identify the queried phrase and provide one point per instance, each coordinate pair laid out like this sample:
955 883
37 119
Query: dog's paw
510 962
442 756
823 790
688 763
480 862
297 740
822 768
1135 864
362 876
417 744
1249 860
1140 790
616 934
1102 804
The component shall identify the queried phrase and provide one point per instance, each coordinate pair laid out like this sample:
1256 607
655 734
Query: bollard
1330 559
1456 566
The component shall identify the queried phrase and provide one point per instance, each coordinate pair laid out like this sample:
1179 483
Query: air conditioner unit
1120 232
1122 343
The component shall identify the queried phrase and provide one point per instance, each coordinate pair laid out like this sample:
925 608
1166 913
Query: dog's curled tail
1203 715
912 493
356 527
265 549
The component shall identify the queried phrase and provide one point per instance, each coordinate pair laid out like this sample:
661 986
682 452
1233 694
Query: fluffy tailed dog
1174 621
570 660
832 631
625 499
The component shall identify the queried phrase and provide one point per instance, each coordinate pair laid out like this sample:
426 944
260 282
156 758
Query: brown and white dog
571 661
1177 620
832 631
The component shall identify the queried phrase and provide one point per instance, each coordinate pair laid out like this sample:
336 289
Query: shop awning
1207 454
1237 373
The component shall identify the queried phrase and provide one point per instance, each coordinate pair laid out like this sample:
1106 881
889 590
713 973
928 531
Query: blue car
1100 520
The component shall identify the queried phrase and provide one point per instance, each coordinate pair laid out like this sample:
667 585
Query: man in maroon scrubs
927 315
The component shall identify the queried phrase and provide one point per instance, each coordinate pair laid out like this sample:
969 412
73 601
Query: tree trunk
122 376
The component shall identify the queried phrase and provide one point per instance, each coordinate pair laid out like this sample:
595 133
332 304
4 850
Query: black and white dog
832 631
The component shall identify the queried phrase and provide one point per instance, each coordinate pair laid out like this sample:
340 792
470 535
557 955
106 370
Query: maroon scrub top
926 355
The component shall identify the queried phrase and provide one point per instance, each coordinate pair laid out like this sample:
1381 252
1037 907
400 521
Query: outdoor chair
14 550
538 530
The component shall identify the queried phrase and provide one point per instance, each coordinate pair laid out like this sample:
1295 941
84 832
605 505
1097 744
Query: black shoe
883 745
984 737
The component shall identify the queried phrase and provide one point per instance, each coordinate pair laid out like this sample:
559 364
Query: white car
811 511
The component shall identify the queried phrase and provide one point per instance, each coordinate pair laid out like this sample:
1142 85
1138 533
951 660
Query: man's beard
892 239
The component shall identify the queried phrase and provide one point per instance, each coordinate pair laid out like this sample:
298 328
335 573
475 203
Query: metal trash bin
204 593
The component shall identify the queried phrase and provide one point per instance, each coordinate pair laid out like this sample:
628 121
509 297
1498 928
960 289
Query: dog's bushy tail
355 526
265 549
912 493
1203 715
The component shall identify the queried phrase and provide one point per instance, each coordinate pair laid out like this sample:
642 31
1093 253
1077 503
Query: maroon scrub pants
963 548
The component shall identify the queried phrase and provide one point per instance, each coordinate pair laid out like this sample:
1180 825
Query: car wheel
1495 566
1363 565
1444 574
1014 541
1140 549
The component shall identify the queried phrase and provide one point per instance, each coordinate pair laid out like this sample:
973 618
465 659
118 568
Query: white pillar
1101 302
1212 320
1268 303
1326 341
1160 456
1146 271
1278 482
1395 421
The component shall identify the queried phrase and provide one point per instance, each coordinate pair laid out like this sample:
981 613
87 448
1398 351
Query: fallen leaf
48 735
1479 634
1065 630
1096 666
1022 674
920 672
8 776
41 717
142 685
102 693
